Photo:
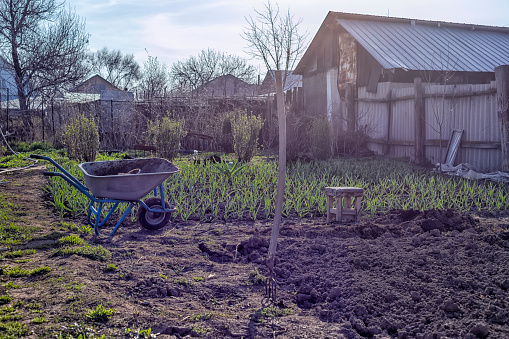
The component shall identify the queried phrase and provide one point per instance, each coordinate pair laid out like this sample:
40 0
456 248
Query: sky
173 30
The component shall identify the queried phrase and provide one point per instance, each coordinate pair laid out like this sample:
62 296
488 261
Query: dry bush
81 139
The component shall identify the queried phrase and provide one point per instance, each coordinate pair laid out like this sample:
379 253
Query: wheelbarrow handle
66 175
49 174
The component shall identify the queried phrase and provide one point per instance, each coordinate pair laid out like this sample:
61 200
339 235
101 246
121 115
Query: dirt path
407 274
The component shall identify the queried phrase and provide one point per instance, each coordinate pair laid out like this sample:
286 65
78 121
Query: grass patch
13 330
11 284
40 320
21 272
92 252
202 316
100 314
5 299
19 253
111 268
12 161
71 240
12 234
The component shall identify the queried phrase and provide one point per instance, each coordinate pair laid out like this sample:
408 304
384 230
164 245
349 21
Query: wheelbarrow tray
111 179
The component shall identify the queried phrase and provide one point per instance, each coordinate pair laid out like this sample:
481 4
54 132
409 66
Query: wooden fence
416 121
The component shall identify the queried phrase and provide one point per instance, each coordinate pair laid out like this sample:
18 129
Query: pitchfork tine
271 287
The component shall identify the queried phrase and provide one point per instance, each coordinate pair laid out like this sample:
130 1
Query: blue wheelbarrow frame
106 187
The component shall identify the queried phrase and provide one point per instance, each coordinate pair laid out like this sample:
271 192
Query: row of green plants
230 190
81 136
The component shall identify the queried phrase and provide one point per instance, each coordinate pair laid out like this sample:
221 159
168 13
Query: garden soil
403 274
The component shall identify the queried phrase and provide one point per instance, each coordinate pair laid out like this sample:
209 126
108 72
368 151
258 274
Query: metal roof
417 45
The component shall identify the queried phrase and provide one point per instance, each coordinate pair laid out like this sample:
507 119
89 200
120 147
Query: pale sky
173 30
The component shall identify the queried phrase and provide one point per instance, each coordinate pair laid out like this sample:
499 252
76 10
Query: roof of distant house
268 84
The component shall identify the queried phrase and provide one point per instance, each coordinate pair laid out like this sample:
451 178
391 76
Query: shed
367 73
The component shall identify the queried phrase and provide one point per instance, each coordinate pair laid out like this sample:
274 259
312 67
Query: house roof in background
419 44
94 85
268 83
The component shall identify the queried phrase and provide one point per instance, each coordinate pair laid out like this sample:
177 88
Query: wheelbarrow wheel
153 220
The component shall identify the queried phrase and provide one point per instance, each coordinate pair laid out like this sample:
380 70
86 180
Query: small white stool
344 210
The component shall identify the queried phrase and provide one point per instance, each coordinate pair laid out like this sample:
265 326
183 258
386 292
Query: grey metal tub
112 180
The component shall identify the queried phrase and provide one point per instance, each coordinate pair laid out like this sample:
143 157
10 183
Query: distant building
97 88
8 88
226 86
268 84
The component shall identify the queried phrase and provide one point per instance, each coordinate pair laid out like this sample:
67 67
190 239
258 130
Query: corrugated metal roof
414 46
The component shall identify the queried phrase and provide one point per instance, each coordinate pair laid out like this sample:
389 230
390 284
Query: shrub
81 139
165 136
320 138
245 130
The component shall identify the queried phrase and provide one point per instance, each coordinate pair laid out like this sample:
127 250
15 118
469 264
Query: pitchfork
271 283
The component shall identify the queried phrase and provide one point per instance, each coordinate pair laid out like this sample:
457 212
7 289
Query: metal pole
42 120
111 108
7 108
53 119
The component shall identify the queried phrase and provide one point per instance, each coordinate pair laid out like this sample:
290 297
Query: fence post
419 121
387 148
502 83
8 108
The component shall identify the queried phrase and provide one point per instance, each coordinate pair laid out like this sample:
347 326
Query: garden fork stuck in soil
271 284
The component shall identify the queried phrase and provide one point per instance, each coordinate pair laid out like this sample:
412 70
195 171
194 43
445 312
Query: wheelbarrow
122 181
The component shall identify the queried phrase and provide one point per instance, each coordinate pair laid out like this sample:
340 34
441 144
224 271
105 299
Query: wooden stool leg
358 208
329 207
339 208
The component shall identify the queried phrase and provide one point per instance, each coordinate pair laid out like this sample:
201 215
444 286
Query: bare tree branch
189 74
43 44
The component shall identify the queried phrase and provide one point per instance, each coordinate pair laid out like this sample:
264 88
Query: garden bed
400 274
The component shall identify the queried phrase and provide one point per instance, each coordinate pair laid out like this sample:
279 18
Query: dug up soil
403 274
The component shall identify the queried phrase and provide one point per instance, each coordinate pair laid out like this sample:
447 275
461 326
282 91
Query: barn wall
315 93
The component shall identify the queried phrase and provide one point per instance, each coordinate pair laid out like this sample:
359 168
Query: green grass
22 272
100 314
40 320
13 161
71 240
5 299
92 252
19 253
11 233
12 330
111 268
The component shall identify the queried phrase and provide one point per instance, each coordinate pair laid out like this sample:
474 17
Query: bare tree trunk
282 170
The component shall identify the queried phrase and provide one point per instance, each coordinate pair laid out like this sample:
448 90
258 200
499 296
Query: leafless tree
44 46
154 79
274 38
122 70
195 71
442 65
